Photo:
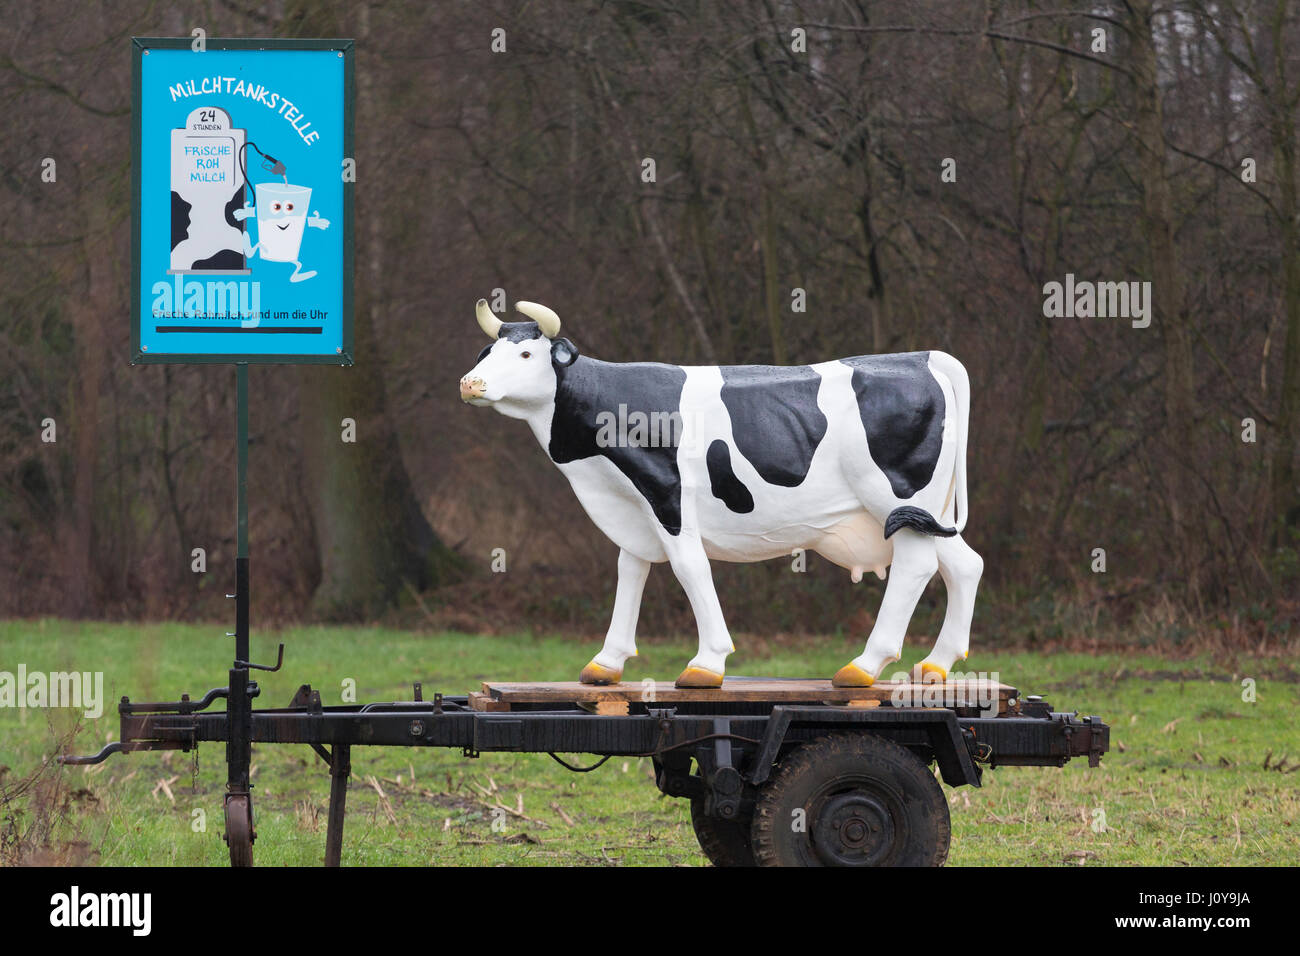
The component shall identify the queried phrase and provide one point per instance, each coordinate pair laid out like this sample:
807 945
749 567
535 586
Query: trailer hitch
116 747
132 743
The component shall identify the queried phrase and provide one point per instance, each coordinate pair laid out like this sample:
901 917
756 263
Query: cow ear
563 352
482 355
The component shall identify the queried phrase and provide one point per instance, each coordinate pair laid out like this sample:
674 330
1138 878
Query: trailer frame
735 746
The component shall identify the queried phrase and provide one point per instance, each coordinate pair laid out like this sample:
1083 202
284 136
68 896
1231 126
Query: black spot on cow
586 387
519 331
223 260
775 421
726 487
902 411
236 202
563 352
180 219
226 259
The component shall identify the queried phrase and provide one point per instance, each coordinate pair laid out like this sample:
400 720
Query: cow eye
526 354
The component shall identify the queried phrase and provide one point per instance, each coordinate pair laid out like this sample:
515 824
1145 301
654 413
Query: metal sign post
239 748
242 253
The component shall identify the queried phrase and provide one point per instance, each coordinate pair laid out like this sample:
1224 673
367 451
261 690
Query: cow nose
471 386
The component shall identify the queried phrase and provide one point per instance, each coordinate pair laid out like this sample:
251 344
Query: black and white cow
862 460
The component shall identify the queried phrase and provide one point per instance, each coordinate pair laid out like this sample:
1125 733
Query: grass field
1196 774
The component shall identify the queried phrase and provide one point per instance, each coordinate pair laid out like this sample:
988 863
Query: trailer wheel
724 842
239 829
851 799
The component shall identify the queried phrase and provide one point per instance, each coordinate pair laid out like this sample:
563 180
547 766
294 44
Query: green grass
1185 782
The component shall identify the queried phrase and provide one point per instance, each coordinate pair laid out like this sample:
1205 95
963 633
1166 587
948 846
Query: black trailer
778 772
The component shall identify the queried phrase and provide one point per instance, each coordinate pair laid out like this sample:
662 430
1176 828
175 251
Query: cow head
516 374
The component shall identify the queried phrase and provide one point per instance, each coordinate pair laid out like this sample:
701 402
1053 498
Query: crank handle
249 665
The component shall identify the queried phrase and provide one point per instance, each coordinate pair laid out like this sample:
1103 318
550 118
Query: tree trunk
771 291
1168 308
1285 491
88 321
371 535
877 295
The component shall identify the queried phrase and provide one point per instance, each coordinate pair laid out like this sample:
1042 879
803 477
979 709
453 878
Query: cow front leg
620 640
691 565
914 563
961 568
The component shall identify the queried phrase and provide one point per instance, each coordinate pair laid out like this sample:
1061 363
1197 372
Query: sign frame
139 47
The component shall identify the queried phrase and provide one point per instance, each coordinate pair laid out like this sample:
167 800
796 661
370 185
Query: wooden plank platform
614 698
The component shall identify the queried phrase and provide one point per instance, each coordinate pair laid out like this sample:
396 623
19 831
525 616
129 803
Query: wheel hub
853 829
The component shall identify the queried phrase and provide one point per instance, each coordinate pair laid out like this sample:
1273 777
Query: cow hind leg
620 640
915 561
961 568
691 565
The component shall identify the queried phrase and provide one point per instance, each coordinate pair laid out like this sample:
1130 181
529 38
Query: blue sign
243 214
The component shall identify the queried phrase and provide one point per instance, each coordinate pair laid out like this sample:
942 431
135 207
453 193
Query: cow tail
956 373
917 519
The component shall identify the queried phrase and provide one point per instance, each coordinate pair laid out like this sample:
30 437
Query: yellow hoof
699 677
927 673
851 675
594 673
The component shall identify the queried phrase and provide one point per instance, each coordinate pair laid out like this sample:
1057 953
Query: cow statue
862 460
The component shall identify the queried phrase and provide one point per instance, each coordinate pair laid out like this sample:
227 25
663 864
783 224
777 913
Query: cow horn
546 320
488 322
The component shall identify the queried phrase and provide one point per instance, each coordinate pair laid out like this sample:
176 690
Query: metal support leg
340 769
239 744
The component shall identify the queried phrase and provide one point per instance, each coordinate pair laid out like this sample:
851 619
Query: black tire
724 842
239 829
866 801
